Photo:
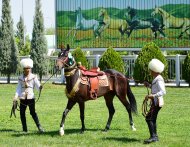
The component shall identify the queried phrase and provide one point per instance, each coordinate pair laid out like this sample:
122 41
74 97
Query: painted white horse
169 21
84 24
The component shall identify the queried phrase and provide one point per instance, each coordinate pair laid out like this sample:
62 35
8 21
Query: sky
48 10
138 4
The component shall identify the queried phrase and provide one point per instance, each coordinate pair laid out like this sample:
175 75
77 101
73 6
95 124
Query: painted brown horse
79 92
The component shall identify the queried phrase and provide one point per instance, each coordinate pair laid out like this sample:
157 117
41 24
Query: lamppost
23 19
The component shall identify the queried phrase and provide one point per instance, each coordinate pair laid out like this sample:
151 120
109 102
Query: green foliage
23 42
20 35
176 52
39 43
79 56
8 49
186 69
148 52
111 60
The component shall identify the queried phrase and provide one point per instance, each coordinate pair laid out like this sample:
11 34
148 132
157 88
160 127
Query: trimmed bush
111 60
79 56
186 69
148 52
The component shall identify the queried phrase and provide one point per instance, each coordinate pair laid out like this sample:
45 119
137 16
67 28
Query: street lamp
23 19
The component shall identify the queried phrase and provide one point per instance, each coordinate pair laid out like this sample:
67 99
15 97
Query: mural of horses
84 24
78 89
118 24
136 23
169 21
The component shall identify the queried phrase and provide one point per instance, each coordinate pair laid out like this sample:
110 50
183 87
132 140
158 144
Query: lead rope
145 106
40 90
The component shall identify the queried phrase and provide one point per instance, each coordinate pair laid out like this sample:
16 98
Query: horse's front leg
82 107
182 32
70 104
74 34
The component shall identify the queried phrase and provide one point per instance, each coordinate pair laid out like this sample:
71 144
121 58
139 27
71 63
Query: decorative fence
175 63
174 68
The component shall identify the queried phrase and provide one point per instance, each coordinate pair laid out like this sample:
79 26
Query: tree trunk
40 74
8 78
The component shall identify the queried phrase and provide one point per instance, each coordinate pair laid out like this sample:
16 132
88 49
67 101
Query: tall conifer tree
38 42
20 35
8 49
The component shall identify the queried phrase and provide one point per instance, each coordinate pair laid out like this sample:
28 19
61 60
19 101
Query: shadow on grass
7 130
122 139
51 133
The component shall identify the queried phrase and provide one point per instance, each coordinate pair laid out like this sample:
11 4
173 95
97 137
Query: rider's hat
26 63
156 66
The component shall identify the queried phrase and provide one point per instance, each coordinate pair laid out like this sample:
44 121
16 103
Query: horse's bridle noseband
64 62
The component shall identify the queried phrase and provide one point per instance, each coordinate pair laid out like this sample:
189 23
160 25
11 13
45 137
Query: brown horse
79 92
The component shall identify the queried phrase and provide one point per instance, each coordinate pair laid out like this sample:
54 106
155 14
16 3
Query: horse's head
78 10
102 12
130 12
156 11
65 59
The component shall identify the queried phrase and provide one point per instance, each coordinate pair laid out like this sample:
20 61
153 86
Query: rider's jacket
26 85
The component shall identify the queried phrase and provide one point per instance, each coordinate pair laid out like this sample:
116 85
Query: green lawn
173 121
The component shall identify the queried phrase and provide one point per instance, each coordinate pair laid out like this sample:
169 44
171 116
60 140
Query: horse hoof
105 130
61 132
133 128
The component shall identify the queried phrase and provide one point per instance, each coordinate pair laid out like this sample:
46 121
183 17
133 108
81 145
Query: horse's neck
106 16
79 18
71 78
164 14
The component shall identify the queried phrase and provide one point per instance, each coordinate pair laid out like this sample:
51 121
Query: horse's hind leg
70 104
124 101
82 107
109 103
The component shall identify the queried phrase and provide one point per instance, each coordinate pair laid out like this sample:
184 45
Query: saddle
93 78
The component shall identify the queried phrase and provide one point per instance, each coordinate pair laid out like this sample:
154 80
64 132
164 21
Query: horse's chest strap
74 90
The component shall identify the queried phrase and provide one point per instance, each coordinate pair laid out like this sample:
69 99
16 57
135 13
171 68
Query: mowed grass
173 121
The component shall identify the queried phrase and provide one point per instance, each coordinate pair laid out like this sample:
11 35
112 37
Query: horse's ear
68 47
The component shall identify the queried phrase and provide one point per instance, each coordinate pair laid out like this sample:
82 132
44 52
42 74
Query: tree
148 52
38 42
111 60
23 42
186 69
8 49
79 56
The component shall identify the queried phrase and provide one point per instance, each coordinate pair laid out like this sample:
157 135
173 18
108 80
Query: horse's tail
131 98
